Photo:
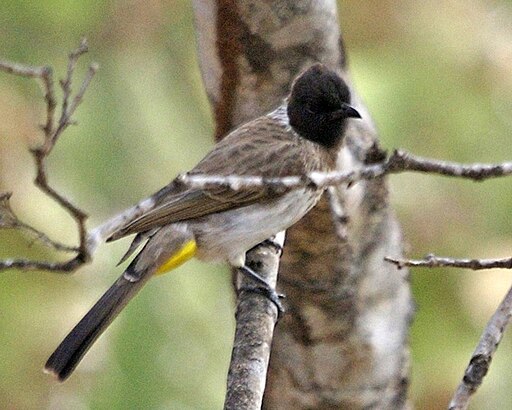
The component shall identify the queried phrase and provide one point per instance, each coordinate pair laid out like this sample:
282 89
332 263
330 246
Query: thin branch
66 83
41 153
69 109
483 354
42 237
9 220
433 261
30 265
284 184
399 161
22 70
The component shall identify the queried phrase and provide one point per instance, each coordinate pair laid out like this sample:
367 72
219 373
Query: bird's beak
350 112
346 111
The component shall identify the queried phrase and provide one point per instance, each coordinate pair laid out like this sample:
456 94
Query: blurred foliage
437 79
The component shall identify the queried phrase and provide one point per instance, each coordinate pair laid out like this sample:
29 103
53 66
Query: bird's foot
263 288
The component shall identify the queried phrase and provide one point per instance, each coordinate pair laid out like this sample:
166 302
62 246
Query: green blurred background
437 77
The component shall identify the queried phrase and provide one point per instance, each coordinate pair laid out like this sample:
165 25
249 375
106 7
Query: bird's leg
264 289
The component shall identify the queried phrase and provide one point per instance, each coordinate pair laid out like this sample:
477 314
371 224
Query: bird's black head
319 106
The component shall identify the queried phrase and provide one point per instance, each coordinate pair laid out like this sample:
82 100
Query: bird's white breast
226 236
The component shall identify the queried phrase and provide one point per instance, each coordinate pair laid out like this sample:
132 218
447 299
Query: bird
218 224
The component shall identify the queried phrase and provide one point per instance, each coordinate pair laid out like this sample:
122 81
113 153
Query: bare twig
69 109
94 238
30 265
41 153
482 356
399 161
432 261
7 217
41 236
284 184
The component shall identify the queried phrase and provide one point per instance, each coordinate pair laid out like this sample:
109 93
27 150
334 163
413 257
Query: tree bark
343 342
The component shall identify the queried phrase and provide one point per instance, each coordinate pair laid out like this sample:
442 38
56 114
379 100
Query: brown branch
41 153
256 317
401 161
433 261
69 109
482 356
30 265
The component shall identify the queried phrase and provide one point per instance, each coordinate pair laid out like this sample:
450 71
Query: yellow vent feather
187 251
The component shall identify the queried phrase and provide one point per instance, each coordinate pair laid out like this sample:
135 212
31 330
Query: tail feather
169 247
76 344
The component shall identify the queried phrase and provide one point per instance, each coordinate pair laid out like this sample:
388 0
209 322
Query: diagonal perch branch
483 354
256 317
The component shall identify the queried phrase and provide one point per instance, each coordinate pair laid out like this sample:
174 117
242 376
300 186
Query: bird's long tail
71 350
149 261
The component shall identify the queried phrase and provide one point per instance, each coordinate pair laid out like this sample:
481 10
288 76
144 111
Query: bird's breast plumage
226 236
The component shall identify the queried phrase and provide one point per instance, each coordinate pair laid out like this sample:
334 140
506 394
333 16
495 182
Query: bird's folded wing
189 205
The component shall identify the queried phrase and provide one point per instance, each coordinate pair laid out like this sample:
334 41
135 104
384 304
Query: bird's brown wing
270 152
192 204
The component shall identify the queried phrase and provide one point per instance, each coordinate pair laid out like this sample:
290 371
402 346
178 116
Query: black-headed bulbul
302 135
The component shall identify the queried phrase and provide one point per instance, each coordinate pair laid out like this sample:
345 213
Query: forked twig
41 153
